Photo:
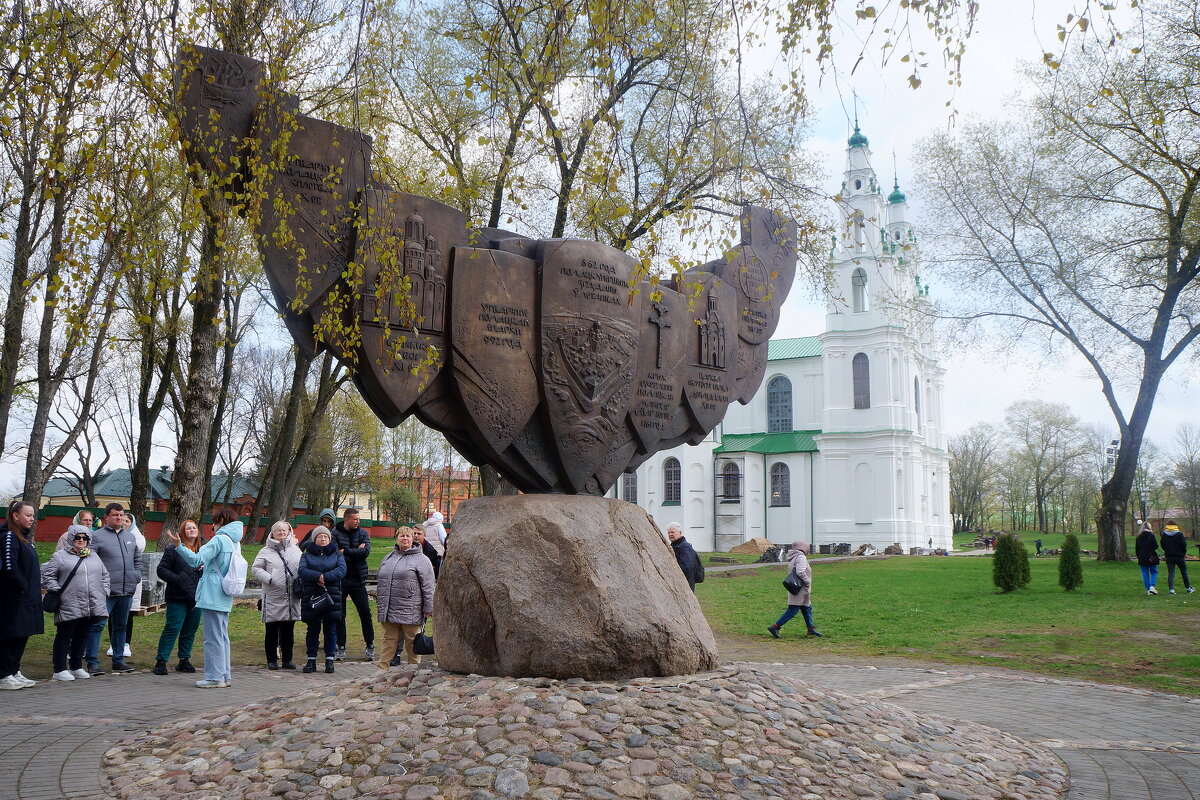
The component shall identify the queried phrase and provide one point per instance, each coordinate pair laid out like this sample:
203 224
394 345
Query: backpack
698 570
233 582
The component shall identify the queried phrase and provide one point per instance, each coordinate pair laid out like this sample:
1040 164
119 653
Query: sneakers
65 675
11 683
1172 591
23 679
774 630
1152 590
160 667
340 655
211 684
94 669
128 652
370 652
184 666
121 666
81 674
1191 589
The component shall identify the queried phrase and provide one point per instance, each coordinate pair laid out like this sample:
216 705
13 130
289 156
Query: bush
1070 571
1010 565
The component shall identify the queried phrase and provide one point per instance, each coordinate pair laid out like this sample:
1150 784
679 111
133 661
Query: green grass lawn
1050 541
946 610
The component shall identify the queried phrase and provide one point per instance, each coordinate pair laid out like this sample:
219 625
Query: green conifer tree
1070 571
1006 567
1022 561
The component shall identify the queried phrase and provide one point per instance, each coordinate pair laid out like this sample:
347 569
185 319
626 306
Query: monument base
565 586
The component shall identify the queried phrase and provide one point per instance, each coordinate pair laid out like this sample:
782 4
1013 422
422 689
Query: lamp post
1145 500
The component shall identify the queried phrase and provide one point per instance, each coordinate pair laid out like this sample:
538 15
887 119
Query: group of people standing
97 576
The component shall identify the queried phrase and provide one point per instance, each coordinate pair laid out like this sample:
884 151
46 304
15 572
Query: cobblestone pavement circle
1118 743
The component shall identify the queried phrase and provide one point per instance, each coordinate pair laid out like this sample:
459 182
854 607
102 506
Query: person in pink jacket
801 602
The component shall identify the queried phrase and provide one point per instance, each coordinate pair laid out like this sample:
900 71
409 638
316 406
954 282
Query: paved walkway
1119 744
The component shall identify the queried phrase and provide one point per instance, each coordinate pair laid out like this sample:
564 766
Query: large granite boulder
565 586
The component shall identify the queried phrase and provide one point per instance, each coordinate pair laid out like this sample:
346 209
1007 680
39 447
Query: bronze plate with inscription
218 97
708 371
658 387
493 360
589 341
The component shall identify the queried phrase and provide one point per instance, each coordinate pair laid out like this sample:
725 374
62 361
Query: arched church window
861 370
781 485
858 184
779 405
858 288
731 483
629 487
917 401
672 482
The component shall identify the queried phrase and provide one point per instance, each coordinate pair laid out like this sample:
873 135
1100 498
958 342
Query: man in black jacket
354 543
685 554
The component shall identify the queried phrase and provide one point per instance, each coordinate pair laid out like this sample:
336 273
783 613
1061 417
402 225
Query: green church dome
896 196
857 139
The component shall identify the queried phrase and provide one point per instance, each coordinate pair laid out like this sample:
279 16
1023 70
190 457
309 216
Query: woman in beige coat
405 597
801 602
277 568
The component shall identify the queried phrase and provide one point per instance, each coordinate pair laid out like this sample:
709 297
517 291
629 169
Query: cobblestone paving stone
1118 743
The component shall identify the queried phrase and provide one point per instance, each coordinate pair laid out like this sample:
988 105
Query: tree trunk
326 388
232 305
199 403
281 451
14 312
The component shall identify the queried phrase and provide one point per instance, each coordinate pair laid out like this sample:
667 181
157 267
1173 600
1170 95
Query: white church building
844 441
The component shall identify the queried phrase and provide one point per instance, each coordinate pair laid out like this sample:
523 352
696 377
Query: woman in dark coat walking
1146 548
322 569
20 593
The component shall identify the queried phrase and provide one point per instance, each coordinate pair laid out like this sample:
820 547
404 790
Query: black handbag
794 583
423 643
320 602
52 600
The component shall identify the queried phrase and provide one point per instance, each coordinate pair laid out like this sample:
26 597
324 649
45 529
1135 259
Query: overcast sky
978 386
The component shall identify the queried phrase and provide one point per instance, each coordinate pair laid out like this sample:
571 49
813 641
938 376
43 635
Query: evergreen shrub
1007 572
1070 571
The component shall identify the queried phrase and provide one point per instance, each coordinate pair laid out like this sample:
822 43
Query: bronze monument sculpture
548 359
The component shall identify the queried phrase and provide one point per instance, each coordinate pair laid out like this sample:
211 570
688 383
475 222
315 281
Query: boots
310 665
774 630
272 665
329 666
160 667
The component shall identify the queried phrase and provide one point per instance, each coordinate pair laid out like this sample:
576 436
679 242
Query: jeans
361 604
182 621
118 612
280 637
11 652
313 638
1149 576
792 611
70 640
216 645
1172 563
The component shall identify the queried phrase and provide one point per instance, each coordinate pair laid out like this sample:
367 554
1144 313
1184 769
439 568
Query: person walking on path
322 569
277 568
117 548
79 575
405 597
1174 548
20 593
183 617
214 556
685 554
354 543
1145 547
801 602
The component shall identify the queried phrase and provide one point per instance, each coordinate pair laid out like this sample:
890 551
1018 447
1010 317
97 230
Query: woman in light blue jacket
211 599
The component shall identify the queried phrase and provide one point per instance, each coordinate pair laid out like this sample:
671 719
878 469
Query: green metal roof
790 442
857 139
803 347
